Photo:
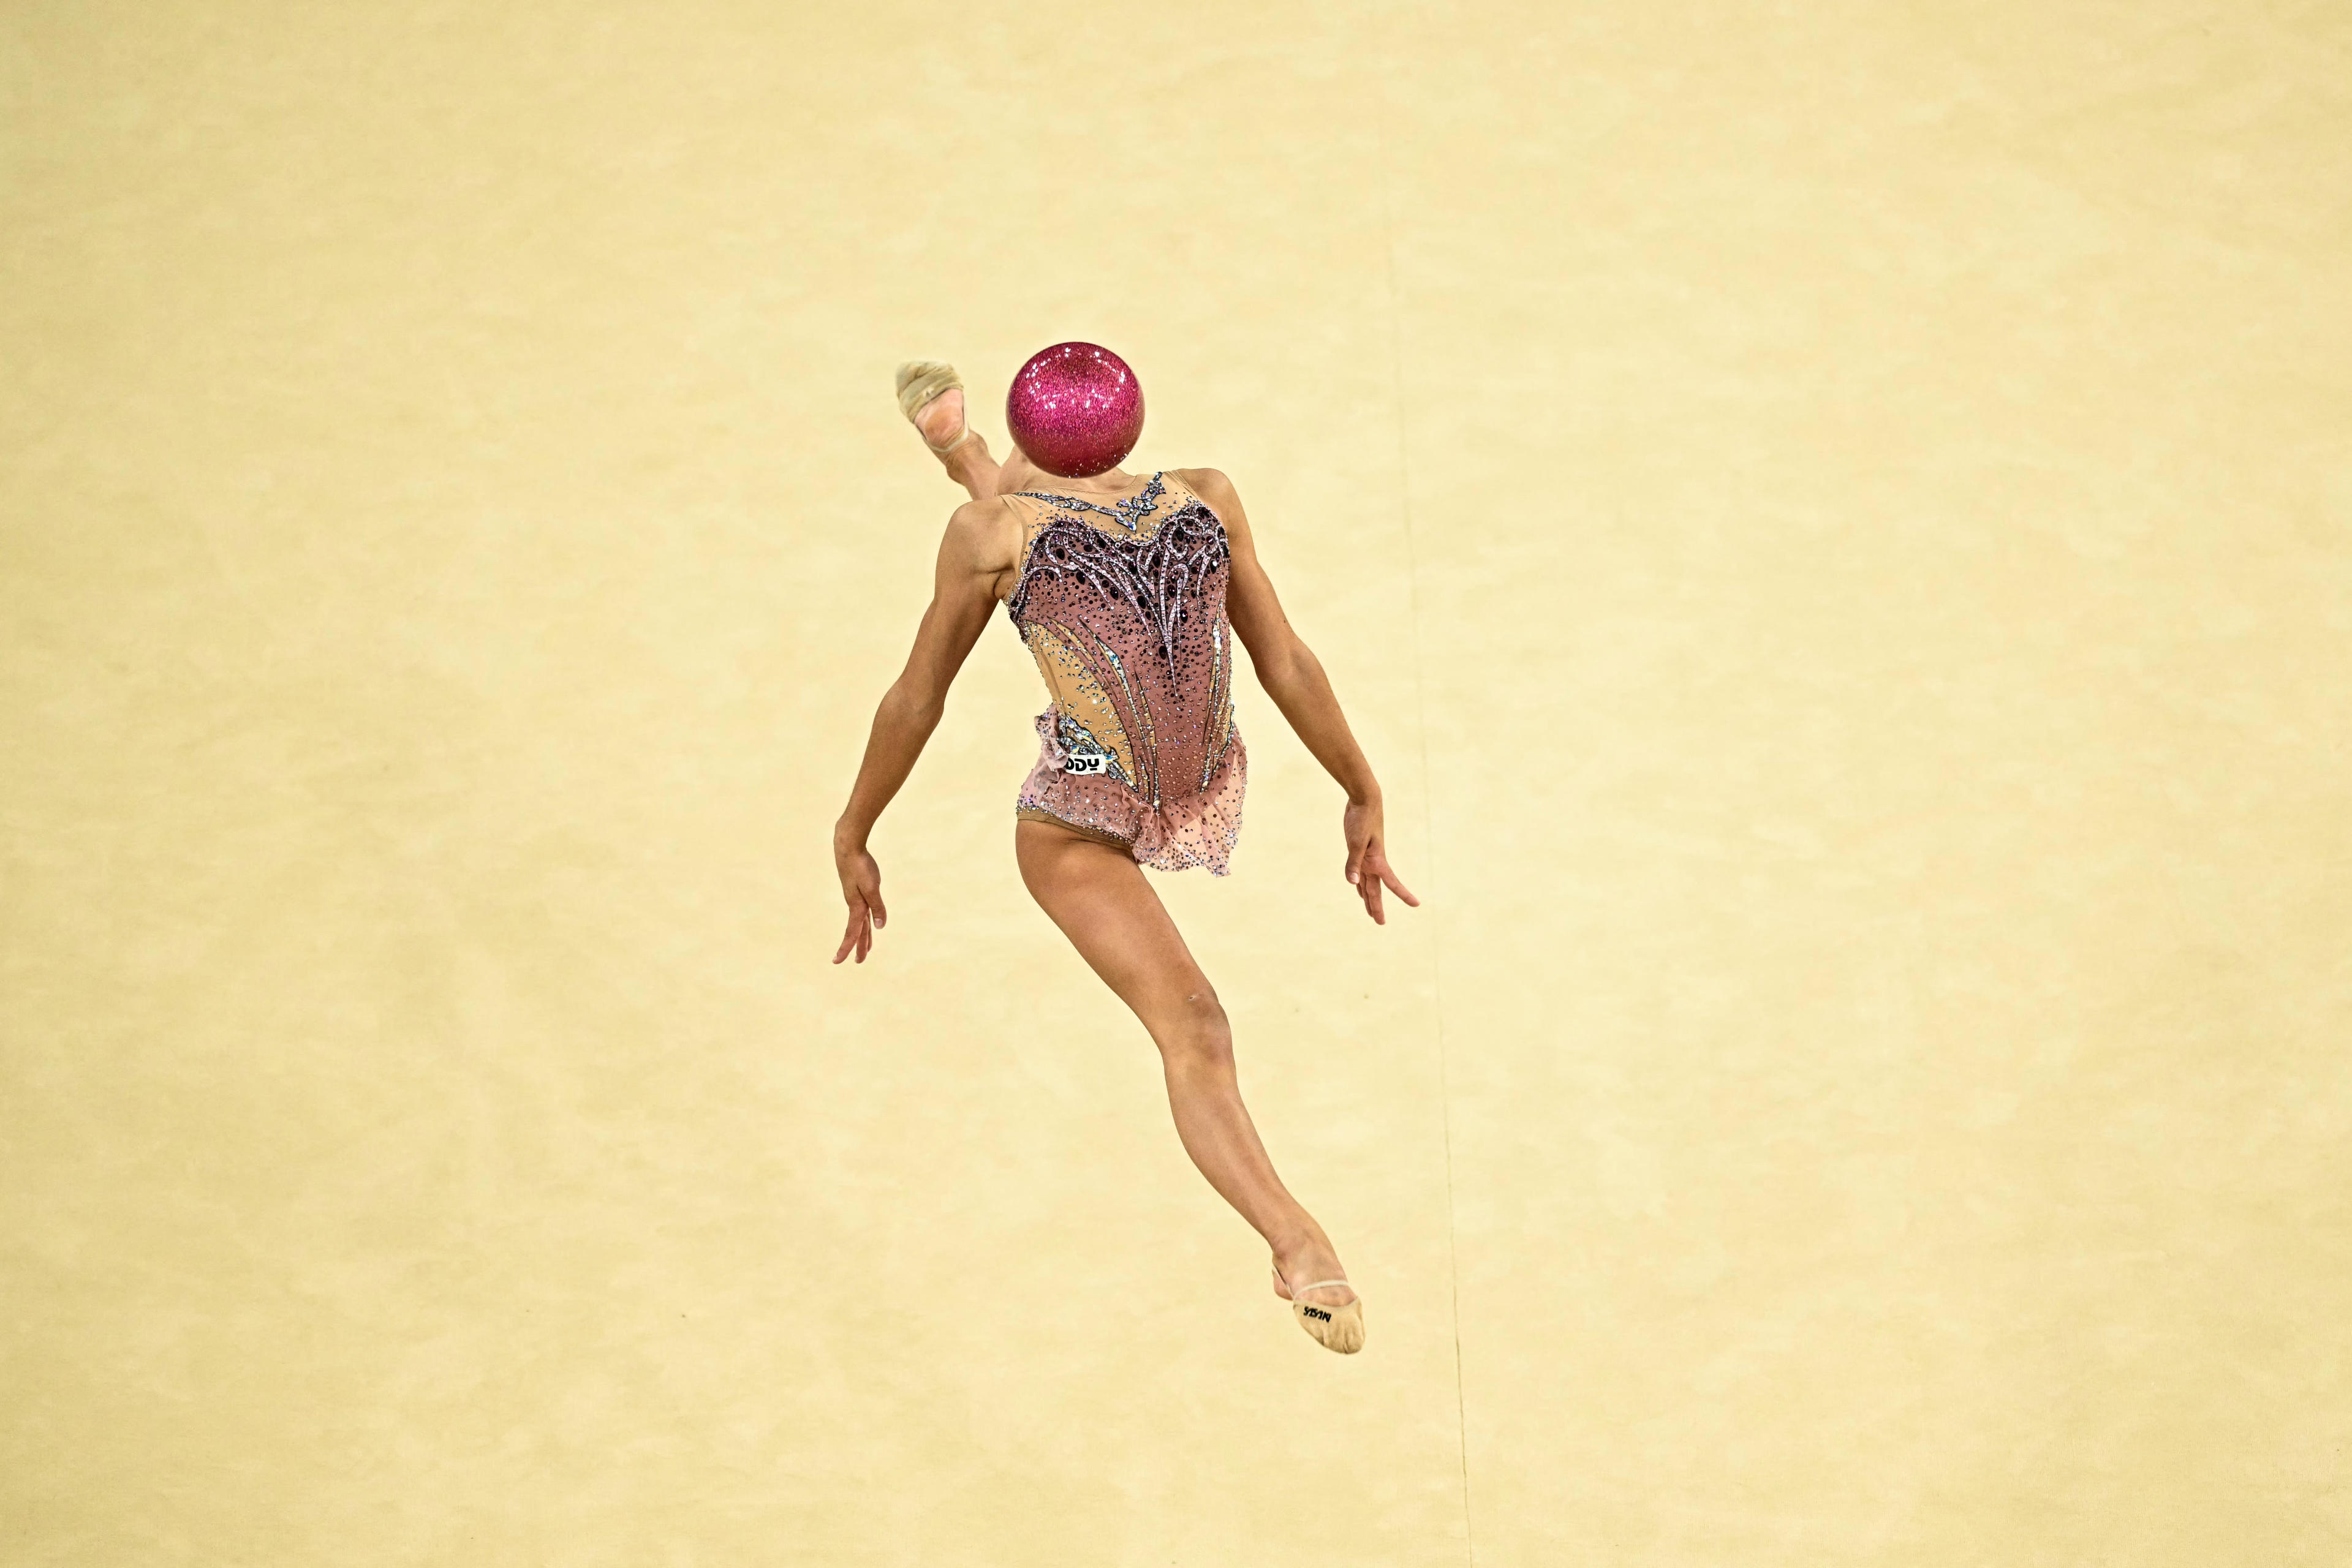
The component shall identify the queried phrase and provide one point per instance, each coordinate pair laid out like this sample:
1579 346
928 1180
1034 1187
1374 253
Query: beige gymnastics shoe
1340 1329
920 381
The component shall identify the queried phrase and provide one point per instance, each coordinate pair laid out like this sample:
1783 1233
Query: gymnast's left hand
861 889
1367 860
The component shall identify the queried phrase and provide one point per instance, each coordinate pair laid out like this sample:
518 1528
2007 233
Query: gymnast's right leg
1099 897
940 422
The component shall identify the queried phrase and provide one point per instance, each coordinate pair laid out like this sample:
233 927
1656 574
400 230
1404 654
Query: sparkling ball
1076 409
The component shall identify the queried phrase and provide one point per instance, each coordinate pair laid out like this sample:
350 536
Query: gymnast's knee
1197 1035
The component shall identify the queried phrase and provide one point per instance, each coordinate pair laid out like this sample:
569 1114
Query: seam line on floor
1428 812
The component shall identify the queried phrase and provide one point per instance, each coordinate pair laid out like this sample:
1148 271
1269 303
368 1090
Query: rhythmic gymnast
1128 591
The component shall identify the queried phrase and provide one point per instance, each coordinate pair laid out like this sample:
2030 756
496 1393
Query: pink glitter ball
1076 409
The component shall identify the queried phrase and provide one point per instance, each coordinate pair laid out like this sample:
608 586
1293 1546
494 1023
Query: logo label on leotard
1082 753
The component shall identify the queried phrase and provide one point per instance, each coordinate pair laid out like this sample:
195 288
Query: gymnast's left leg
1099 897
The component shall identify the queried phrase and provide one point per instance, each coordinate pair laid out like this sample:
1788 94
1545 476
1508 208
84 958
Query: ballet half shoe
1340 1329
919 381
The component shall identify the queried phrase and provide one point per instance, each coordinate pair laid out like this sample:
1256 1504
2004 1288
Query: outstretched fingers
1369 870
1396 885
859 938
861 889
867 916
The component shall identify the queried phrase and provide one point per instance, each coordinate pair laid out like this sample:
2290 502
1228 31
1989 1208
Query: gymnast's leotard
1123 604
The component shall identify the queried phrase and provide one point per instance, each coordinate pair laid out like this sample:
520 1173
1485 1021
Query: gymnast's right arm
963 593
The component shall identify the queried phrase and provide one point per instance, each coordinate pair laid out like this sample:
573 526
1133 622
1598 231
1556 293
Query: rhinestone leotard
1123 605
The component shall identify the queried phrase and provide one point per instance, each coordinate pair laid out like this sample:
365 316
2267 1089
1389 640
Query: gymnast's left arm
1293 676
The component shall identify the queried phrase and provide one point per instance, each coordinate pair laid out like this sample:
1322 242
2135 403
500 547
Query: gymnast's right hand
861 889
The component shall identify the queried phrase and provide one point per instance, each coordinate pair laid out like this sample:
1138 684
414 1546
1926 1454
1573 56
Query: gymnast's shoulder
986 533
1218 494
